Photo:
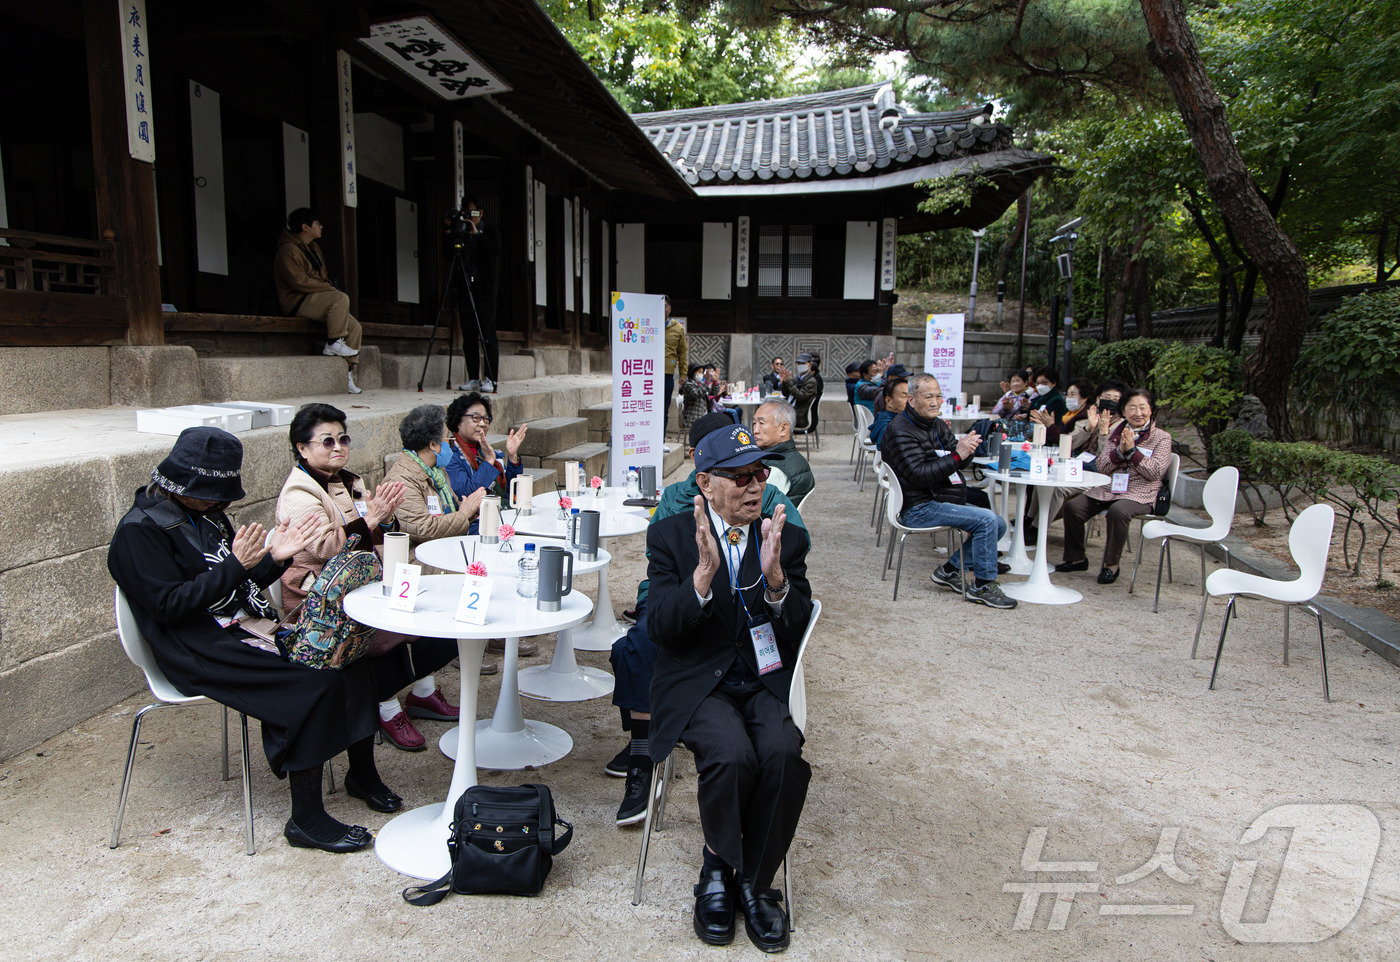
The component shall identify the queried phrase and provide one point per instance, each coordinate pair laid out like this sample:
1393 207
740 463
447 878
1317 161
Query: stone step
599 421
551 434
550 360
673 460
268 378
592 454
517 367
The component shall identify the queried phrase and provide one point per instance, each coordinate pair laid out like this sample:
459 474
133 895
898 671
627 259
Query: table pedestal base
605 629
1020 560
1037 594
415 842
564 679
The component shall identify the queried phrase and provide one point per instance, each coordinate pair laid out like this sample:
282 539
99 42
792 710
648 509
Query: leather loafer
1072 566
355 838
714 908
385 801
765 922
1107 576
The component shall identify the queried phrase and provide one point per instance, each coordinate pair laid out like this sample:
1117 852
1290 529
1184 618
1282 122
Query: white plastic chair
882 487
810 431
1309 540
1169 479
805 502
893 506
167 695
855 434
661 772
863 421
1219 499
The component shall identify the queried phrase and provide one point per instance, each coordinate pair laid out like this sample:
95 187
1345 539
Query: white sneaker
338 348
354 388
469 386
488 385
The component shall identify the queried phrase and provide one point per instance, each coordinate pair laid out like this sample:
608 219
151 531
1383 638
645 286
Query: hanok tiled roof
842 133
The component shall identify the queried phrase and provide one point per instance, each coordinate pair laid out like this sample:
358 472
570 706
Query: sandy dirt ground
955 750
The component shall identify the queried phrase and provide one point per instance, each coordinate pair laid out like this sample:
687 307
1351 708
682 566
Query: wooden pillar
126 188
340 245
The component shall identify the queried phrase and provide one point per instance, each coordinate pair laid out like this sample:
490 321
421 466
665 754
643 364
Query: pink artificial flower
477 570
505 532
566 503
595 482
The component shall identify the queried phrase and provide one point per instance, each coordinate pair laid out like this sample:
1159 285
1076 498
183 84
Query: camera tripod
458 279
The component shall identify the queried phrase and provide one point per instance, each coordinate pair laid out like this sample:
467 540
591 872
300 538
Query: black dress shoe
355 838
714 908
385 801
765 922
1107 576
1072 566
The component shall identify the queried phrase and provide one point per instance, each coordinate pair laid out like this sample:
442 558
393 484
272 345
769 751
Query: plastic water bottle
529 584
634 484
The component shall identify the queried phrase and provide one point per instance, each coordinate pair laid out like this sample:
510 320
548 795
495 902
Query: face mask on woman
444 455
1042 389
1073 403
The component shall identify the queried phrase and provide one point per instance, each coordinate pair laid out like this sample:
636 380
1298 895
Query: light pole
1066 264
976 253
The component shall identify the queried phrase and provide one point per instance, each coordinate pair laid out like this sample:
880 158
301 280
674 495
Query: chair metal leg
1285 634
889 554
1157 598
900 567
1322 647
126 775
1133 580
247 786
225 772
1224 627
854 440
1167 543
330 776
647 828
787 892
1200 620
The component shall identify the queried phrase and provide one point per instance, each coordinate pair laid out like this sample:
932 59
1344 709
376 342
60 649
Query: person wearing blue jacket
475 464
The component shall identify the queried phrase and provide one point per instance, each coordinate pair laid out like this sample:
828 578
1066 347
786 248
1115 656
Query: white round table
1019 561
617 521
563 679
1038 589
747 406
415 842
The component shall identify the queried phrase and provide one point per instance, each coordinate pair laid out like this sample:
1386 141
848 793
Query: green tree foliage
1201 384
1133 361
652 55
1353 364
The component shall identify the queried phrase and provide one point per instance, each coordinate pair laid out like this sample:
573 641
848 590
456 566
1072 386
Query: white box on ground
173 420
265 413
234 420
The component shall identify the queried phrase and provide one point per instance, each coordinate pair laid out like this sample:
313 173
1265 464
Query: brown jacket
301 495
298 269
413 516
1145 474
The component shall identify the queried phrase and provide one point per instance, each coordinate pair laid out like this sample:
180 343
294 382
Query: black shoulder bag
502 842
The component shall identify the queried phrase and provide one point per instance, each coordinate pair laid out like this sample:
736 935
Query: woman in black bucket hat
189 575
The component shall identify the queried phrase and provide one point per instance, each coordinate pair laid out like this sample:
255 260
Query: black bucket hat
205 464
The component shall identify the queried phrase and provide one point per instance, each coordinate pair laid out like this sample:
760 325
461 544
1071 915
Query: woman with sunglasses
475 464
321 485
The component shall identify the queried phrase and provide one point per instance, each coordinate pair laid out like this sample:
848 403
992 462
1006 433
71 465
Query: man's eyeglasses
478 418
744 480
331 443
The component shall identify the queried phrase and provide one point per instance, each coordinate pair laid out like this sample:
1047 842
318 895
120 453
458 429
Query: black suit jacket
697 645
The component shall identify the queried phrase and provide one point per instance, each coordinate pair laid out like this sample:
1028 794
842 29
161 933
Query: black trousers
753 778
486 341
666 406
1078 511
633 658
404 664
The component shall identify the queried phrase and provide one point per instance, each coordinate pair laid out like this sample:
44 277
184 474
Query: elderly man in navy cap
728 605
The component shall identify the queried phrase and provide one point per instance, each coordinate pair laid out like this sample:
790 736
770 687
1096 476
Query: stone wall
60 660
1334 426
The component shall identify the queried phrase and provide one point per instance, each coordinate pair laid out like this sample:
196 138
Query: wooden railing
64 265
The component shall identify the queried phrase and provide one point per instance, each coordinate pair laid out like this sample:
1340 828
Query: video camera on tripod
459 226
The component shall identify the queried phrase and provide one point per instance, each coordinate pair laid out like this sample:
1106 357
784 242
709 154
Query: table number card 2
476 595
403 595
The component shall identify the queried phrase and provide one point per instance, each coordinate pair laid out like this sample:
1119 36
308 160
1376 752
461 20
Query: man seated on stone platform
304 288
730 602
927 460
633 655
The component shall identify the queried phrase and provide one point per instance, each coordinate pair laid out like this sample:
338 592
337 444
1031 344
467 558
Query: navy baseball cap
730 447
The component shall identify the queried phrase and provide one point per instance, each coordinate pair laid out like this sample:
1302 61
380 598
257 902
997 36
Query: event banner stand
943 352
638 354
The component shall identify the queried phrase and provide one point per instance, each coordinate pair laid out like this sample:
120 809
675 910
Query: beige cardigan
413 515
300 496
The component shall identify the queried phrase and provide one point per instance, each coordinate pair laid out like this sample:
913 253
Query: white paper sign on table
1040 468
403 596
1074 470
476 595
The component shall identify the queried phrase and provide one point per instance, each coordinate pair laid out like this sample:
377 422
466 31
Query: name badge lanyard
765 643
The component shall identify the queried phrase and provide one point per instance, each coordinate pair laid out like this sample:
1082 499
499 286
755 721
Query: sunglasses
744 480
331 443
478 418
